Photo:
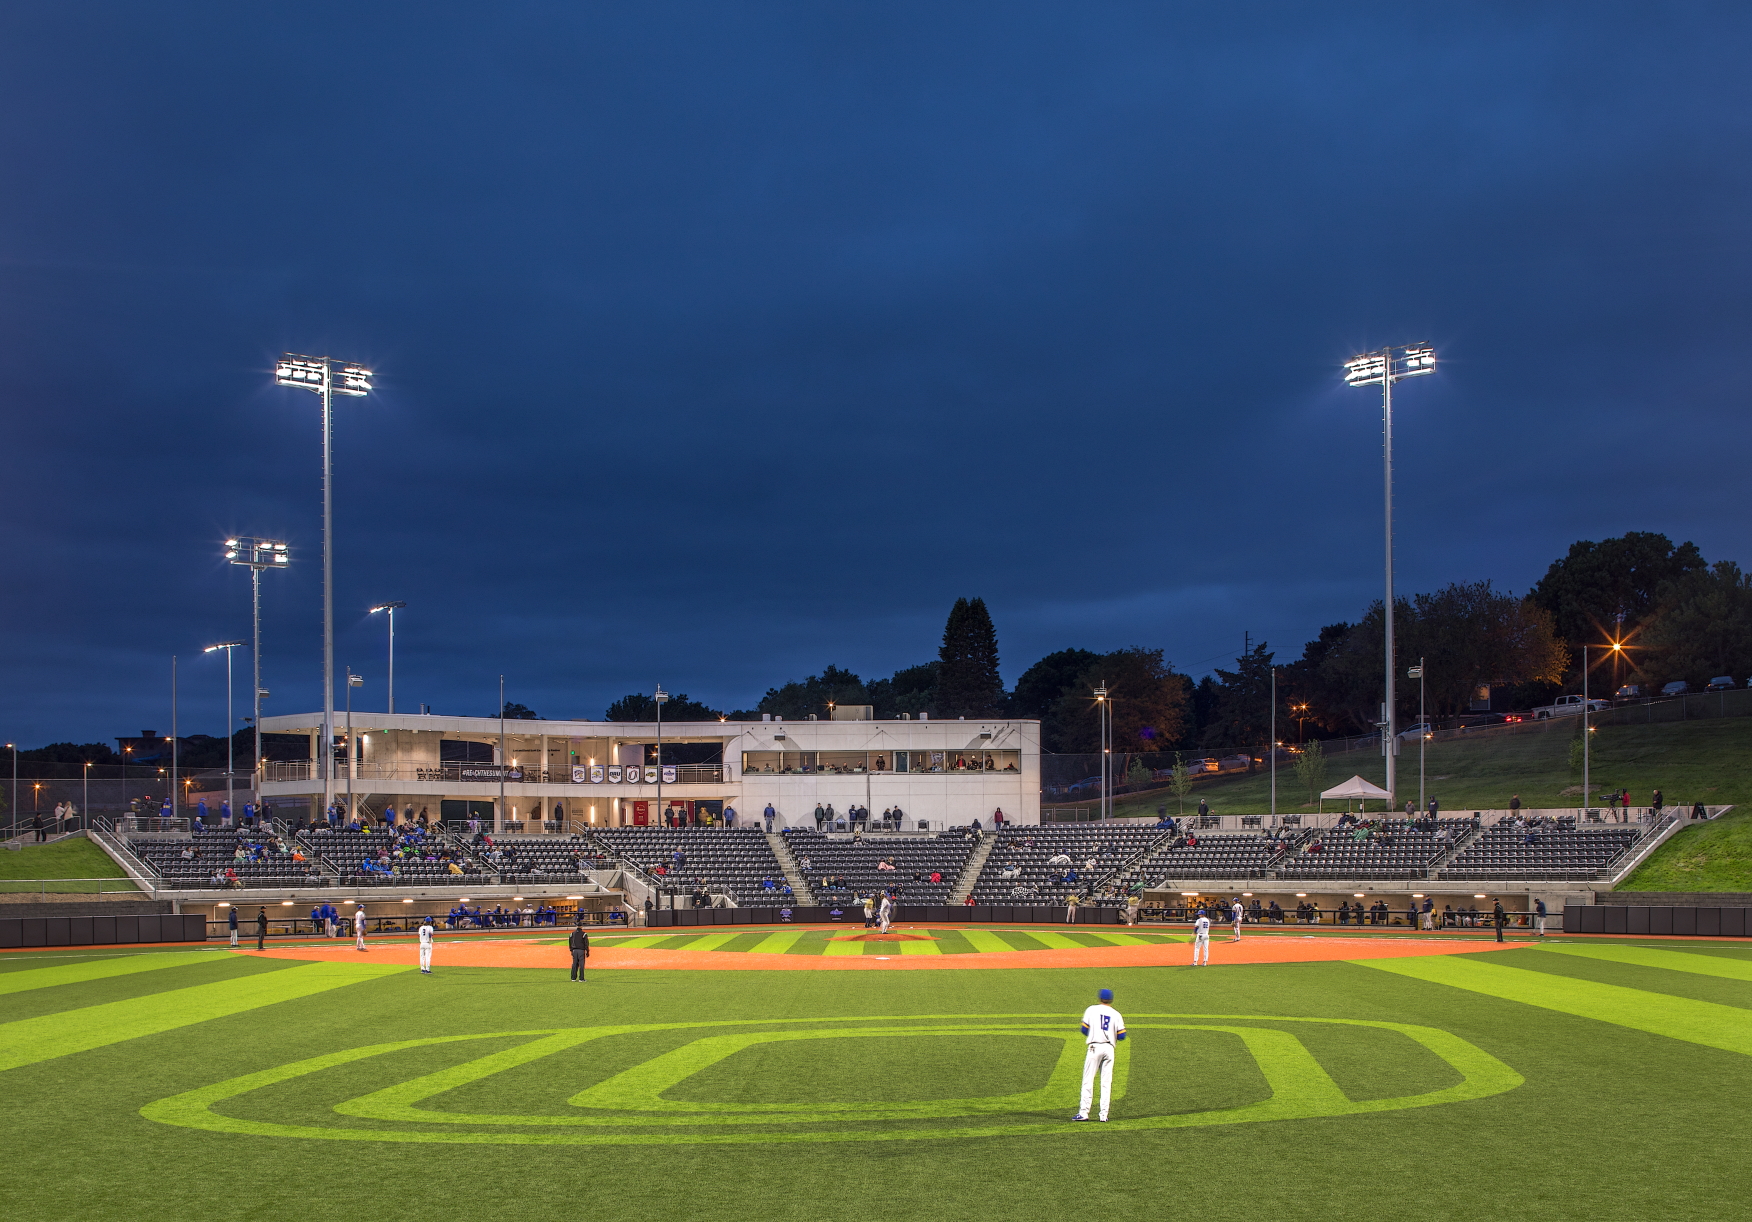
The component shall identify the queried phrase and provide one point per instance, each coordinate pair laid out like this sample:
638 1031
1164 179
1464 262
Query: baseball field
816 1074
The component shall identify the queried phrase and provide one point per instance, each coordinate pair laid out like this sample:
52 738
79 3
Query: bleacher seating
1391 849
216 850
1211 855
546 858
347 851
914 858
1554 852
733 861
1022 853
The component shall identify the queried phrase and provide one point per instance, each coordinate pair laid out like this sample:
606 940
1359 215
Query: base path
554 955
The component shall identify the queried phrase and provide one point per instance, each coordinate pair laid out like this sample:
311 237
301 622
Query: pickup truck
1567 706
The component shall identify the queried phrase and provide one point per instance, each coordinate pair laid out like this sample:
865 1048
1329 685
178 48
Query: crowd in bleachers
737 862
1051 862
1543 847
1374 848
411 855
225 857
914 870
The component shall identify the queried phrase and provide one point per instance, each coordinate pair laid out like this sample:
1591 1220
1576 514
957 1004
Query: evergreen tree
641 706
968 683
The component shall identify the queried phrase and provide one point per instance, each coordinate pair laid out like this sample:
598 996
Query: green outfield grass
1596 1081
1689 761
75 859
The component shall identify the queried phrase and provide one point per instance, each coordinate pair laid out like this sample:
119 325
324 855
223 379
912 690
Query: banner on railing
614 774
596 774
578 774
668 774
651 774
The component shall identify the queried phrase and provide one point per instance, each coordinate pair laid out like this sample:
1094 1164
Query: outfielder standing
1103 1028
580 946
426 946
359 927
1237 911
1201 940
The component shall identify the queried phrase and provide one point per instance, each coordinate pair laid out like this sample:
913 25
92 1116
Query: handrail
104 836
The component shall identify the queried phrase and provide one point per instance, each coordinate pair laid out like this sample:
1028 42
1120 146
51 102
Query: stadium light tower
1103 713
1383 367
319 375
256 555
392 608
230 720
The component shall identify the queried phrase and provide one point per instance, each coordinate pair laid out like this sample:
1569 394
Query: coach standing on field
580 944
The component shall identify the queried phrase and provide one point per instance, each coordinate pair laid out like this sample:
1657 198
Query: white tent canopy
1356 787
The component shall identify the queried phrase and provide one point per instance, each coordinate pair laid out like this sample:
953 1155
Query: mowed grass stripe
986 941
919 948
644 943
776 943
711 941
102 969
30 1040
1697 1022
1058 941
1672 960
1124 939
844 948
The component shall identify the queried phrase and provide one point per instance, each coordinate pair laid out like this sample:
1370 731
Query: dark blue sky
720 342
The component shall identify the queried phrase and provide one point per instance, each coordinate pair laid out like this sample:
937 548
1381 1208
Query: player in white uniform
426 946
1236 910
359 927
1201 939
1103 1028
886 913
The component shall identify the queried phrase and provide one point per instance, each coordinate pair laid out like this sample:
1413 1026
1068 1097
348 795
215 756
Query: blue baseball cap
1105 994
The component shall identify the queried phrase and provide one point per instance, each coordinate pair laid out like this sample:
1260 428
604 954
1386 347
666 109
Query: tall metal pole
230 732
255 661
1422 734
173 742
350 811
1389 737
659 702
85 799
392 659
328 594
1274 746
1585 743
504 761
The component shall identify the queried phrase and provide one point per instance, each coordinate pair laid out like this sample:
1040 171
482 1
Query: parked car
1721 683
1566 706
1630 691
1413 733
1676 688
1199 767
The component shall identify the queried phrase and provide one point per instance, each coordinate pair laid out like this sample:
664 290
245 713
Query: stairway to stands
793 875
975 863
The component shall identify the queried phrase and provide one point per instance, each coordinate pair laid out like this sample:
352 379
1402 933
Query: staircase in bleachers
1210 855
975 863
838 868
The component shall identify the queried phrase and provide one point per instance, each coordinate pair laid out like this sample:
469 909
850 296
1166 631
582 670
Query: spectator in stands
729 815
820 816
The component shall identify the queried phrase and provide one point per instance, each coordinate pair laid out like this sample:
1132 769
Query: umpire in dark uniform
261 928
580 944
1499 918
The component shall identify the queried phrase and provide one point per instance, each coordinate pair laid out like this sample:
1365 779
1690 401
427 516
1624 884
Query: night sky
717 343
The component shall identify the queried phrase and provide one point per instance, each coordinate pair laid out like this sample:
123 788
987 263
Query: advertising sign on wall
641 814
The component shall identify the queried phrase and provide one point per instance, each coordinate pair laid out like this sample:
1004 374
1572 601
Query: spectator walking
1658 803
36 823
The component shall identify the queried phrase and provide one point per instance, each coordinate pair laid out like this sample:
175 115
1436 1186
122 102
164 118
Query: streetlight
13 747
230 723
85 798
392 608
1386 366
173 740
1301 712
353 681
661 697
1616 649
1103 714
1423 736
256 555
319 375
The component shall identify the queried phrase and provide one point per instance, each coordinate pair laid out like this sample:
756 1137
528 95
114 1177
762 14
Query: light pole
230 721
85 797
1386 366
353 681
1417 672
661 697
1616 650
14 749
319 375
392 608
1274 746
173 742
1102 709
256 555
504 762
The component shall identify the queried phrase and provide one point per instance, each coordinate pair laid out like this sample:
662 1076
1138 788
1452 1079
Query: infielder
426 946
359 927
1201 939
886 913
1103 1028
1236 910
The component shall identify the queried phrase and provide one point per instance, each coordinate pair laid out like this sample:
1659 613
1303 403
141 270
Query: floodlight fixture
257 555
1383 367
319 375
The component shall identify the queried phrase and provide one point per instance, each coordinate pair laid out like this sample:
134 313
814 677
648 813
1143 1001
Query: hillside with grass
73 858
1688 761
1713 856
